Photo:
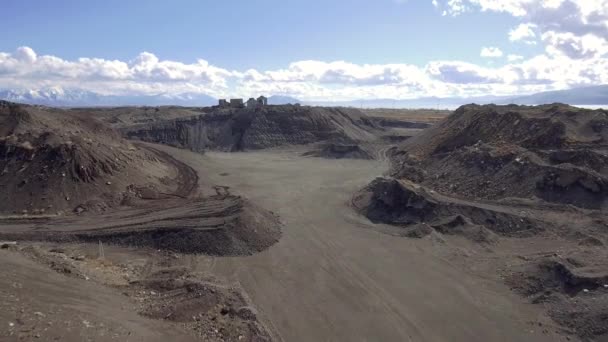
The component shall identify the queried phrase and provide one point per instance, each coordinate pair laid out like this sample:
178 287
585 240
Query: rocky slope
493 174
52 161
554 153
243 129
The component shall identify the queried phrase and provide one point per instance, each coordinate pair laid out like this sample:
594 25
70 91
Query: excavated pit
69 178
246 129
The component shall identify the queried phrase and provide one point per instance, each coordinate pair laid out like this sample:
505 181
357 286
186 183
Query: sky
312 50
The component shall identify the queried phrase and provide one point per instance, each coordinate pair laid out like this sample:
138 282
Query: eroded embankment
271 126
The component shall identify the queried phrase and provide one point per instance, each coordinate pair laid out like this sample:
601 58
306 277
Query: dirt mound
271 126
224 226
404 204
214 312
556 153
215 225
158 285
575 290
339 151
533 127
52 160
488 172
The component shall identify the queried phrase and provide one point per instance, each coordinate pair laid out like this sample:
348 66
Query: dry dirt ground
333 276
271 245
404 114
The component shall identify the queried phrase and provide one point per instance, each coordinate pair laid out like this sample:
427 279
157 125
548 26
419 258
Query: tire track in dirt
219 224
187 178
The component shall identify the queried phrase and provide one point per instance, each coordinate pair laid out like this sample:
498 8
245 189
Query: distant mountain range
75 98
281 100
597 95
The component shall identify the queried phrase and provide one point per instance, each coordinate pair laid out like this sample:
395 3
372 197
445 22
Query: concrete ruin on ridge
252 103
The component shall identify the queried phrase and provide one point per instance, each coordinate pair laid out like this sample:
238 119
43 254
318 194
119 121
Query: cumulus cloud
573 34
523 33
573 46
576 28
491 52
25 54
514 58
146 74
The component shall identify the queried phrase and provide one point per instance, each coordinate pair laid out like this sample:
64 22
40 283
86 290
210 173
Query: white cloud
25 54
455 7
145 73
514 58
462 73
523 33
577 61
573 46
491 52
579 17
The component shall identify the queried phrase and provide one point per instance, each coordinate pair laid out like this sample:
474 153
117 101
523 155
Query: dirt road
332 278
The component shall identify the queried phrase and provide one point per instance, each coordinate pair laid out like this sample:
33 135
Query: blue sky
251 34
362 48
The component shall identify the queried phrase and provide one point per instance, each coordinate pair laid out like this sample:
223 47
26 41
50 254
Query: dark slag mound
555 153
404 204
271 126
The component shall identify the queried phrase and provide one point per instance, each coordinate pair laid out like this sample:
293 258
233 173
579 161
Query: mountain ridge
55 96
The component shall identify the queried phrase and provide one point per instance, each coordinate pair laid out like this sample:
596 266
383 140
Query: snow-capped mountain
50 97
281 100
74 98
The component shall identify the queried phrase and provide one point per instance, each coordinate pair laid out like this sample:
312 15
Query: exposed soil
124 294
397 123
490 173
426 116
574 287
339 151
554 153
197 251
215 225
168 214
149 200
54 162
119 117
271 126
332 276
